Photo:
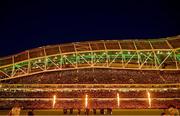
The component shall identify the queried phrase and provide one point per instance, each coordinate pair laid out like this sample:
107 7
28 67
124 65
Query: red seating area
92 94
100 76
134 104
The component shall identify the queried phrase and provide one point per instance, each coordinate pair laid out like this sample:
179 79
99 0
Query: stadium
94 75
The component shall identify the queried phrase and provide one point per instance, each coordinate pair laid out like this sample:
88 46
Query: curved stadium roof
150 54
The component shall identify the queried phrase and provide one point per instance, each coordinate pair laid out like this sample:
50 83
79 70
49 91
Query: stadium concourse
94 75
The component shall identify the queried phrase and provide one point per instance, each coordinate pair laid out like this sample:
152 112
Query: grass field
115 112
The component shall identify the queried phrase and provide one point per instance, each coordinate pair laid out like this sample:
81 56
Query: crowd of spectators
79 104
100 76
94 76
92 94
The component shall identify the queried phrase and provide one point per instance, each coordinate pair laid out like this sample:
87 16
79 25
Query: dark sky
28 24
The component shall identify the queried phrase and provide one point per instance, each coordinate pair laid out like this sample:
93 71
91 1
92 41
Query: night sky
29 24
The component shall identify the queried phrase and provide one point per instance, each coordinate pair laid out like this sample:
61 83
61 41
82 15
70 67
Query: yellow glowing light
86 101
149 99
54 100
118 100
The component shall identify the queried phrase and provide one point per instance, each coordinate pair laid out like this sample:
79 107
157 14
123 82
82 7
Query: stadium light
39 60
149 98
86 101
54 100
118 100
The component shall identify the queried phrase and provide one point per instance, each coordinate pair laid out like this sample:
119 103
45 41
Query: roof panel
112 45
21 56
175 43
160 45
97 45
82 46
65 48
6 61
38 52
142 45
52 50
127 45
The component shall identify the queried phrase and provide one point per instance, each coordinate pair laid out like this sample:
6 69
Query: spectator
173 111
94 111
31 113
163 114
